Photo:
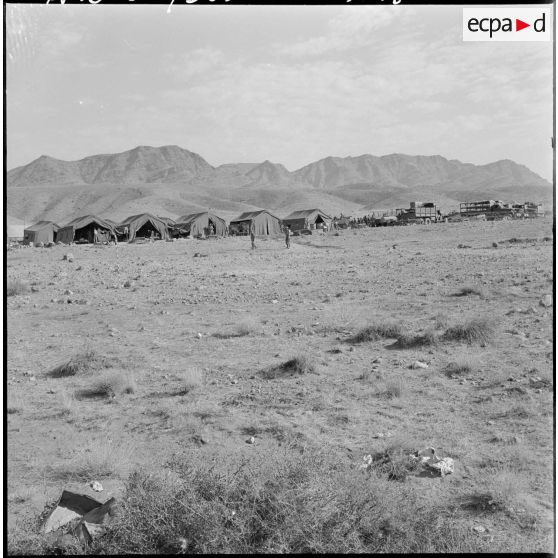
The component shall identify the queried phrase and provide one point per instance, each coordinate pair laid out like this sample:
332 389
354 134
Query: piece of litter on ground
96 486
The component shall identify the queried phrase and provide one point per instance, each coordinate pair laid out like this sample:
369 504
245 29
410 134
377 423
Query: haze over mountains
171 181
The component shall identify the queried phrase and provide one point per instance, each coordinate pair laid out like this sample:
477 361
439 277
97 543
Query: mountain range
172 181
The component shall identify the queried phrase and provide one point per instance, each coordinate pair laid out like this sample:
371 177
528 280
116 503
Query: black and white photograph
279 278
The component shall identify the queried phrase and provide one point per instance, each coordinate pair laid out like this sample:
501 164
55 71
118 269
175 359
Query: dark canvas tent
265 223
200 224
43 231
143 225
81 230
306 219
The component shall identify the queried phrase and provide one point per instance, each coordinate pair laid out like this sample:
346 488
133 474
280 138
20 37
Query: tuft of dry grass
298 365
87 361
109 385
387 330
393 388
191 378
16 287
97 459
467 290
395 462
461 366
67 403
243 329
475 330
408 341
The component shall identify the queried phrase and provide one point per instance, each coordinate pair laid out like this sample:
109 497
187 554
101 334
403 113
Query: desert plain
181 353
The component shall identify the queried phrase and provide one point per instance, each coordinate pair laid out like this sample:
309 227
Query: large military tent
265 223
14 227
43 231
200 225
143 225
81 230
306 219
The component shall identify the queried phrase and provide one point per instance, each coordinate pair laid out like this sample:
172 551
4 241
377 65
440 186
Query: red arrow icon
519 25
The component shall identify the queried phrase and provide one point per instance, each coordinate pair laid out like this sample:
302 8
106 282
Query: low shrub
388 330
475 330
109 385
409 341
277 502
460 367
87 361
298 365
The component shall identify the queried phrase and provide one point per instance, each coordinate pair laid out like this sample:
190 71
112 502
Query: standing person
126 233
253 234
95 236
288 236
152 236
113 234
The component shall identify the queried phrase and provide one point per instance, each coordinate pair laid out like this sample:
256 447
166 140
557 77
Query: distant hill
172 181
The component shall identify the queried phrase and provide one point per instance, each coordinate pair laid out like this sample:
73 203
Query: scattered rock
69 257
96 486
251 440
480 529
494 245
419 364
546 301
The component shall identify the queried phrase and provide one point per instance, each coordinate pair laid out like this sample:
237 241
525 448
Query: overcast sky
291 84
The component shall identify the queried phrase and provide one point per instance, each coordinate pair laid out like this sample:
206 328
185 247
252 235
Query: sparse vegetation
190 378
298 365
408 341
279 503
460 367
109 385
300 486
98 459
387 330
467 290
16 287
394 462
394 388
475 330
87 361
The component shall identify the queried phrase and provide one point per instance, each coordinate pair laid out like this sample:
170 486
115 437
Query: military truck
419 213
493 210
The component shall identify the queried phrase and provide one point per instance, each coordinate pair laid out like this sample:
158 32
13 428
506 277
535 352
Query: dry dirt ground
190 336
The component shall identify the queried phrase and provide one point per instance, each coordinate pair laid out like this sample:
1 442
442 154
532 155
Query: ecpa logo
507 24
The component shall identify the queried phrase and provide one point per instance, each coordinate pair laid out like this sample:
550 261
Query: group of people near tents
96 230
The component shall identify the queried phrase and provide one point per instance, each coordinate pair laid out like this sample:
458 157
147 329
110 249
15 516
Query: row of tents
90 228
